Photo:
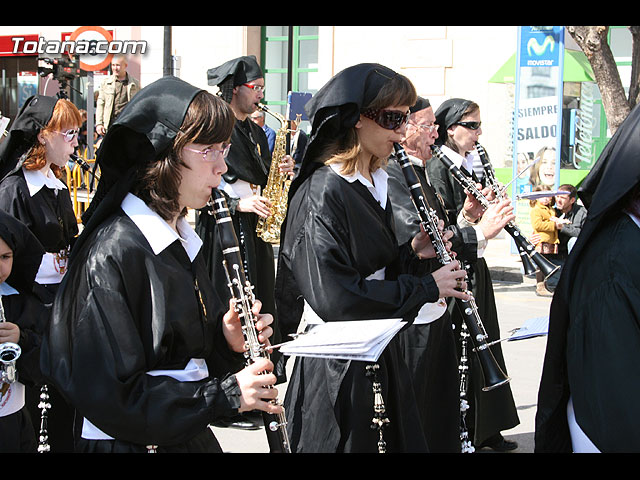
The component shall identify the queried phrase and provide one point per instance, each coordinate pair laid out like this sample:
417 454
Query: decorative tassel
379 421
463 368
44 406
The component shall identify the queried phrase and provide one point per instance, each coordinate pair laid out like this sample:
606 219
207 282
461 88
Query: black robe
26 311
338 235
430 349
51 219
493 411
122 311
591 354
23 308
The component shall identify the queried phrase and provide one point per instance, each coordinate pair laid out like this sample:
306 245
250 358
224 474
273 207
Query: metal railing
81 184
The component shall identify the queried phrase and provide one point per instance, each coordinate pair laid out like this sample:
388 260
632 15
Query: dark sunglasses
470 125
387 119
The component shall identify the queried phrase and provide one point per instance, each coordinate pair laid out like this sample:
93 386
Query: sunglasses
387 119
205 153
470 125
69 135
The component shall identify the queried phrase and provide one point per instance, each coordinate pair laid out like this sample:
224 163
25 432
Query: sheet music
533 327
351 340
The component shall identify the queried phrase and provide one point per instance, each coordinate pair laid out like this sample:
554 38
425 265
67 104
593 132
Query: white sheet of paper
533 327
348 340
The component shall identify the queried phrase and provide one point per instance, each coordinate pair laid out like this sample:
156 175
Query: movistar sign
540 46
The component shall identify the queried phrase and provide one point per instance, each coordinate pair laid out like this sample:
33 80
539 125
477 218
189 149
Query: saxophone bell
9 354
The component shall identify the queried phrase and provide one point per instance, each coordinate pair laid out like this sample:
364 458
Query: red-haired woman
32 160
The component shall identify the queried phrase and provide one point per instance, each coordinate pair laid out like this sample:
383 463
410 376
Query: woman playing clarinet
340 261
139 342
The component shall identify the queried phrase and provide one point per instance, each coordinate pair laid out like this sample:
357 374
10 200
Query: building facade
442 61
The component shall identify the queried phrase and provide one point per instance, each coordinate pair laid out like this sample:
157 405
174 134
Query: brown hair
208 120
397 91
534 174
65 115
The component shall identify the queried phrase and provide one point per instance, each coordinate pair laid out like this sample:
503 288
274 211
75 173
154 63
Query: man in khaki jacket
115 92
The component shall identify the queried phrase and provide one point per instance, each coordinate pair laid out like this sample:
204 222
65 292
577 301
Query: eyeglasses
205 153
69 135
257 88
387 119
470 125
428 128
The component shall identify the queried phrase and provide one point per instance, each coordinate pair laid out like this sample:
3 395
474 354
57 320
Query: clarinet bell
529 267
492 374
546 267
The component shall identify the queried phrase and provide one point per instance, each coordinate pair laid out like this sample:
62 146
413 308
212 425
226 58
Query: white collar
378 188
157 231
457 159
6 289
36 180
419 163
415 160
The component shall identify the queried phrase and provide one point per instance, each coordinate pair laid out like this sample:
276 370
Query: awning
576 69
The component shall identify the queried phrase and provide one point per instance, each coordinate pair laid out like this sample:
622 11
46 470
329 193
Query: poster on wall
538 116
27 86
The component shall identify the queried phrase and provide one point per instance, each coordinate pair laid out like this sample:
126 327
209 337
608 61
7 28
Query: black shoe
239 421
499 444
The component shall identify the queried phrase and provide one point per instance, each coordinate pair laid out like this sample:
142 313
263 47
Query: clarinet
242 291
546 267
530 268
491 371
83 165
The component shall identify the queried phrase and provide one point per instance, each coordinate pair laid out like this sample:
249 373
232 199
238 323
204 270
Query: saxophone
277 188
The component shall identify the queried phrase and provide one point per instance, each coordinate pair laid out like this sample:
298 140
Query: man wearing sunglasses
428 344
241 83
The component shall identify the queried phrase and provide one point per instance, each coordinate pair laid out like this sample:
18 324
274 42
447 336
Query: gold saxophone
277 188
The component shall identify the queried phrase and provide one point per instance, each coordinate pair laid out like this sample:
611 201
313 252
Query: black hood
33 116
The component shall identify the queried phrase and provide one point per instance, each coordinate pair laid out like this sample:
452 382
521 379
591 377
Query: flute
242 292
491 371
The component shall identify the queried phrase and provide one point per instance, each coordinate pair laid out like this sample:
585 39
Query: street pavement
517 302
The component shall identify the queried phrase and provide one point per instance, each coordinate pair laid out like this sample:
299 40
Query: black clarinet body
530 268
242 292
84 165
523 245
491 371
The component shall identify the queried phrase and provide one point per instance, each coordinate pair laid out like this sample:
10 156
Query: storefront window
276 59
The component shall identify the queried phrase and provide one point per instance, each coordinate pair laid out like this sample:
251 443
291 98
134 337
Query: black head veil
448 113
32 117
233 73
27 252
240 70
144 130
336 107
603 191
